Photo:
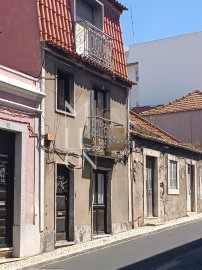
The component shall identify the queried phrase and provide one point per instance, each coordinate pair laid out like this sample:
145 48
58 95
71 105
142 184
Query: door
99 203
100 113
7 147
62 203
189 187
150 185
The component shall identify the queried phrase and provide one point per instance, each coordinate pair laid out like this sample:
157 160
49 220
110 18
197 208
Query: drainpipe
41 142
132 188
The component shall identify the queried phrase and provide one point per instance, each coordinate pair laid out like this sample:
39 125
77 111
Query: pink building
20 117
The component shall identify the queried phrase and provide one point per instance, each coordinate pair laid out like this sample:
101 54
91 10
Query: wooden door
7 147
189 187
62 203
150 185
99 203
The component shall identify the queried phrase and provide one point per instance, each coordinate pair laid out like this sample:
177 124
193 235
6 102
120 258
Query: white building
165 69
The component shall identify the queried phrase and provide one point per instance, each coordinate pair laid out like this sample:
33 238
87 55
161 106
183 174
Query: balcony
94 44
104 137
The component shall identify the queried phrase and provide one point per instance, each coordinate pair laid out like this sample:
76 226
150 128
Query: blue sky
156 19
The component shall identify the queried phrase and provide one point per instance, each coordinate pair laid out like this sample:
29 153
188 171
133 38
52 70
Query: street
177 248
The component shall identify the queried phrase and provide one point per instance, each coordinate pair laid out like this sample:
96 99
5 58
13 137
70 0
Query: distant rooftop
145 129
140 109
191 102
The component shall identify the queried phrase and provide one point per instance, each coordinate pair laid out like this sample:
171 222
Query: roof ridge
158 110
173 141
151 124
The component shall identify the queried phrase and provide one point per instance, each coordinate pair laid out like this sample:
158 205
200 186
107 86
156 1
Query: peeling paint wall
72 126
171 206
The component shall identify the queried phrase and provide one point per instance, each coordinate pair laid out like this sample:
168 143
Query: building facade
86 110
166 68
20 115
165 175
76 51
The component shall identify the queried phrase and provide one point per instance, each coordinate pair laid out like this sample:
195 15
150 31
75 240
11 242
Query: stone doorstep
98 236
60 244
6 252
6 256
9 260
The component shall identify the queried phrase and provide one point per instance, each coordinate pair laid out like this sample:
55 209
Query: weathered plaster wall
199 187
174 206
138 188
171 206
120 202
67 130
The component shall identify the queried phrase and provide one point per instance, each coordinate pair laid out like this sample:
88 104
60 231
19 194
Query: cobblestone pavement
65 252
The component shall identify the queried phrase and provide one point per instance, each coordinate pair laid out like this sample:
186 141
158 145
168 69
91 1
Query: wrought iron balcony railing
93 43
104 137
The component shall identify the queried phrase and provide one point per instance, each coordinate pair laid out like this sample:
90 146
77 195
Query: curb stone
145 232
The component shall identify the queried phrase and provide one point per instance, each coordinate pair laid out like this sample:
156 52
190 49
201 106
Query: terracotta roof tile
56 28
141 109
112 28
146 129
118 5
55 23
190 102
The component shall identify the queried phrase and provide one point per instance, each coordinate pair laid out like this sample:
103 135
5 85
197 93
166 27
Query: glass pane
2 172
100 104
173 174
94 193
62 179
100 188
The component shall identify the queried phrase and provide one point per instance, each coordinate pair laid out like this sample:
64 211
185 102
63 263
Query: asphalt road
177 248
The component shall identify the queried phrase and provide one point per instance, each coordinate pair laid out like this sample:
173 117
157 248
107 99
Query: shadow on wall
158 261
83 79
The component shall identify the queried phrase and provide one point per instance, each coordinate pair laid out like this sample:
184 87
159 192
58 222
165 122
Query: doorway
99 203
7 155
64 204
150 166
190 188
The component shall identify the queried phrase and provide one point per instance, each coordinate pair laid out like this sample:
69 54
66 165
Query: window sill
172 191
65 113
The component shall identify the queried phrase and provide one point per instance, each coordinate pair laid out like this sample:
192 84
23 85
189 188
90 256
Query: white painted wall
168 68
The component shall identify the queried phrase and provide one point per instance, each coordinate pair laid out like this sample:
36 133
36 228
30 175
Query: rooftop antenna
131 14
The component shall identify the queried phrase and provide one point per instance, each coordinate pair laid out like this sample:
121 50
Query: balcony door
100 114
100 106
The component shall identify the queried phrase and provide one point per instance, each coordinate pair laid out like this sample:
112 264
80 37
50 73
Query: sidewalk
65 252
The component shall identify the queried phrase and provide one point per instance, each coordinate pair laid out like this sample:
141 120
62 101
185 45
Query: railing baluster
96 44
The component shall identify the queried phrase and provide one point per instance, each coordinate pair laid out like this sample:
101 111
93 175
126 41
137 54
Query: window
137 75
200 183
90 11
99 104
65 97
173 175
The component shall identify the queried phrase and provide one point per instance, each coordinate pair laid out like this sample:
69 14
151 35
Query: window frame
200 182
172 190
71 92
97 13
